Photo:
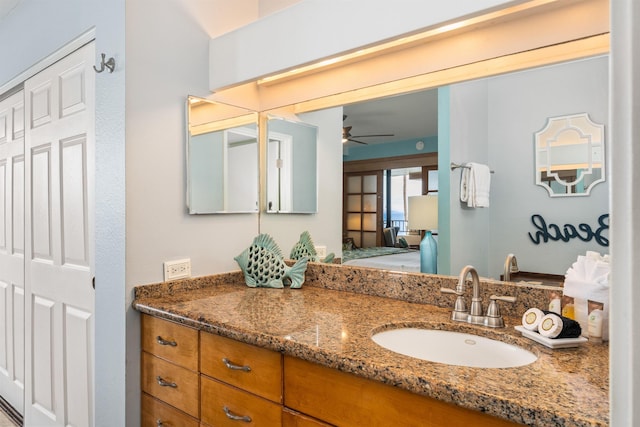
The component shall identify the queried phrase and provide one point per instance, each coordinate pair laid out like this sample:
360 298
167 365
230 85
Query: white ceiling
6 6
409 116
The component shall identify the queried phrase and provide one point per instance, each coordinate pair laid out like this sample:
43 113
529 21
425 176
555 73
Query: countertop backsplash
410 287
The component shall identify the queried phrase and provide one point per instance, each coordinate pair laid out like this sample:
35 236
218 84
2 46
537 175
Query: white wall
167 59
493 121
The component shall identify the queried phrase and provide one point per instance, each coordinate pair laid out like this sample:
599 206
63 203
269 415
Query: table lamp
423 215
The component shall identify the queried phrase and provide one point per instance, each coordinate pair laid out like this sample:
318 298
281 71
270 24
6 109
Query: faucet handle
502 298
460 312
494 319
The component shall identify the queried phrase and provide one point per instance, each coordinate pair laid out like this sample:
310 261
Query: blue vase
428 254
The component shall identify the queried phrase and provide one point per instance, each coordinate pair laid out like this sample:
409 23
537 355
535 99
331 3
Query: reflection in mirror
292 185
465 131
570 155
222 146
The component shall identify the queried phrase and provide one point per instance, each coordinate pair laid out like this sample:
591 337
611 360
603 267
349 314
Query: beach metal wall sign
553 232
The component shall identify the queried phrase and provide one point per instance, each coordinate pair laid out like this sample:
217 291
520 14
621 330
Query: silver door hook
110 64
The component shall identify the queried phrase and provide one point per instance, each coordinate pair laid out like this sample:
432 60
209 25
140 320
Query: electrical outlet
178 269
321 251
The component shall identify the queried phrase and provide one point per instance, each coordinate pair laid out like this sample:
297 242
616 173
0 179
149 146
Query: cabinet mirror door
222 158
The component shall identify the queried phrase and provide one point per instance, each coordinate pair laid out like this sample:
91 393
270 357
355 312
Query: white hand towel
474 185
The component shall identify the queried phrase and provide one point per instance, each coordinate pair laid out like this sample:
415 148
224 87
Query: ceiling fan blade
370 136
359 142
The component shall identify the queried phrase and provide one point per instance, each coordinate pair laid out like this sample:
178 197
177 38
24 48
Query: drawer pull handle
159 423
163 383
230 365
162 341
234 417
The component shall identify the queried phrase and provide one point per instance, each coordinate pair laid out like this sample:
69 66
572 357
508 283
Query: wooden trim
384 163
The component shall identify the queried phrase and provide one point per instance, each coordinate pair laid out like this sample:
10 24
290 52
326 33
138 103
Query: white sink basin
453 348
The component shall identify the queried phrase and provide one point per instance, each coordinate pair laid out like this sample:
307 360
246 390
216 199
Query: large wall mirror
222 158
292 182
475 121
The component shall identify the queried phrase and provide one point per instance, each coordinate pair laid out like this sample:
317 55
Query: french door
362 220
59 249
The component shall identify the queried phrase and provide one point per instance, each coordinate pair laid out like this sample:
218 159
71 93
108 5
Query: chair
389 237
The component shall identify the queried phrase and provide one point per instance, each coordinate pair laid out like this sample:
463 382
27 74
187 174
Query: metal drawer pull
162 341
230 365
159 423
234 417
164 383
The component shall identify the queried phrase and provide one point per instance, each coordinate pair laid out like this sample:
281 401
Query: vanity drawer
261 373
217 396
170 341
171 383
348 400
158 414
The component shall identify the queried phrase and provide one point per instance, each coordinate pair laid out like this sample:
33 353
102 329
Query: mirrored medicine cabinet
222 158
223 161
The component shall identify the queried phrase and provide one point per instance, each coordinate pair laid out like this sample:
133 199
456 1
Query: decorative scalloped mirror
570 155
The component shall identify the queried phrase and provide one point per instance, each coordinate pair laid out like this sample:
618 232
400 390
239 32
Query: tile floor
5 421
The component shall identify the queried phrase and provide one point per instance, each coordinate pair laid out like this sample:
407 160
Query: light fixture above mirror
570 155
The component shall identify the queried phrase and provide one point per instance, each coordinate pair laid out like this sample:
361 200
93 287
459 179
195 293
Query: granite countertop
564 387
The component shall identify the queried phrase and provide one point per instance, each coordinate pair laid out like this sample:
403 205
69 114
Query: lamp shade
423 213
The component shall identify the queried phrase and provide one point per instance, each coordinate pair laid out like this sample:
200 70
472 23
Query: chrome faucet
474 315
510 266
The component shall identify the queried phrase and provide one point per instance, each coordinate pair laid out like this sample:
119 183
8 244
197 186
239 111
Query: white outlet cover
177 269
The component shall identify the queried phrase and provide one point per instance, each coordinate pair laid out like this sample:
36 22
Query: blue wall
391 149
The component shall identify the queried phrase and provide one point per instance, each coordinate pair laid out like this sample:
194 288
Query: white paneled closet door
59 249
12 250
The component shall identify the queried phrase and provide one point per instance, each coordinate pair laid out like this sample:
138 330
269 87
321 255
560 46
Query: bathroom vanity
216 352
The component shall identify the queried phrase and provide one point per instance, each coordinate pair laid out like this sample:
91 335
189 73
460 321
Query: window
399 185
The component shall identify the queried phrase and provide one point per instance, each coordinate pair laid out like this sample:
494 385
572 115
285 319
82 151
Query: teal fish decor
306 248
263 265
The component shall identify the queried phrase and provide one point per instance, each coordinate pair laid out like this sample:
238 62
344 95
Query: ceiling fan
347 137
